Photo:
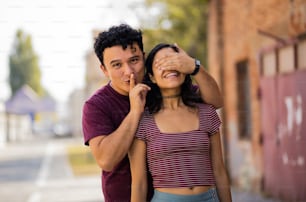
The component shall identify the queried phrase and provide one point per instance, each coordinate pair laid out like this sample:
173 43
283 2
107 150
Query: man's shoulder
97 101
102 94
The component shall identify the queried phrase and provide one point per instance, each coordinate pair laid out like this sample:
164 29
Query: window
301 52
244 100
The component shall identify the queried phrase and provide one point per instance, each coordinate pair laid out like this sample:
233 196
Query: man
111 115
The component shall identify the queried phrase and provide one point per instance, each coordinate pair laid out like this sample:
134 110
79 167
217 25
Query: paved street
38 171
240 196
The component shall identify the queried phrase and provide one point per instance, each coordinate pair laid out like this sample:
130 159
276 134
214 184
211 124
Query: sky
61 32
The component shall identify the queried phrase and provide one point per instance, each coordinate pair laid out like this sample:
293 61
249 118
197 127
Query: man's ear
103 68
152 78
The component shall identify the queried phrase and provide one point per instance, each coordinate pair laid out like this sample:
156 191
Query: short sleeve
95 122
141 130
215 121
145 126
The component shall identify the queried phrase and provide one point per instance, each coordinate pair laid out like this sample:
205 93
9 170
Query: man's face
119 64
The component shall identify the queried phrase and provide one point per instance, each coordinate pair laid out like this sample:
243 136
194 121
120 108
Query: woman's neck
171 96
171 99
172 103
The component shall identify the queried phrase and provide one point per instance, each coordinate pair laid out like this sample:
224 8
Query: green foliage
179 21
23 64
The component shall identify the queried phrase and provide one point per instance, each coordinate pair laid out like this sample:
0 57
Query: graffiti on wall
292 127
283 128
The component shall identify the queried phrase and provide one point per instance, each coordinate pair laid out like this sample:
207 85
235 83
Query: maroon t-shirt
102 114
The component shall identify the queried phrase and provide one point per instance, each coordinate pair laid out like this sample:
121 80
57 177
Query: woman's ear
152 78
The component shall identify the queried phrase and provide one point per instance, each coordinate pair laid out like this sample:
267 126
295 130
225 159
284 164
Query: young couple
151 121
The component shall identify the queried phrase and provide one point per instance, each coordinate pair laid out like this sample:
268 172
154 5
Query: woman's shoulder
146 116
146 112
146 121
206 110
206 106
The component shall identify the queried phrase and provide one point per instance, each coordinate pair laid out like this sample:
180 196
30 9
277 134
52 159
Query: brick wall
234 36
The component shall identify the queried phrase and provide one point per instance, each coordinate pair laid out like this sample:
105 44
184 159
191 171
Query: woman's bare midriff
185 190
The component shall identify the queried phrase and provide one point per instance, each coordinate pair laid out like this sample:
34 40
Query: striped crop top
183 159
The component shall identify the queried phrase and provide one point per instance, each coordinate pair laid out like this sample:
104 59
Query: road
38 171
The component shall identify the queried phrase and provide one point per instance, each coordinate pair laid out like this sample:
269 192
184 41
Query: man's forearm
114 147
209 89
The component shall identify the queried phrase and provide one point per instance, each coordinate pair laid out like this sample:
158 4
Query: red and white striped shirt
182 159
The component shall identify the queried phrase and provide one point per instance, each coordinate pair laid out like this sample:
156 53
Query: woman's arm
222 181
137 157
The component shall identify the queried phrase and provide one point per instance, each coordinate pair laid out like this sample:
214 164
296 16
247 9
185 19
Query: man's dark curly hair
154 97
122 35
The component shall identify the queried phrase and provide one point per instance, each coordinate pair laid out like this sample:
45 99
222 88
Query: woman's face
166 79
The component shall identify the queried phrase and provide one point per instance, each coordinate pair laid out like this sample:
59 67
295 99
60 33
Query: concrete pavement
38 171
243 196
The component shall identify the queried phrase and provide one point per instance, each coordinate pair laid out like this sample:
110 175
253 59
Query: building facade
94 75
257 54
94 79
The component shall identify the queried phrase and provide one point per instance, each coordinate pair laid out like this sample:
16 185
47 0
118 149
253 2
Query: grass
81 160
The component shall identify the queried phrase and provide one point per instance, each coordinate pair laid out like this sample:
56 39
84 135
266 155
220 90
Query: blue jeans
209 196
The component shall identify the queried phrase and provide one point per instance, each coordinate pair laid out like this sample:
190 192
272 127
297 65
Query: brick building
257 53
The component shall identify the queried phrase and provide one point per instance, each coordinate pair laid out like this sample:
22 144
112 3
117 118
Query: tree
23 65
178 21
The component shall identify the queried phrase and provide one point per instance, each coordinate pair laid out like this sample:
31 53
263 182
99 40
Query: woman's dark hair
122 35
154 97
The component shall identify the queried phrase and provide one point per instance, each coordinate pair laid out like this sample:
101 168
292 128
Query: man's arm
110 149
183 63
209 89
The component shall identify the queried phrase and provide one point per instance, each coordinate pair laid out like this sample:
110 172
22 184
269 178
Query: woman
179 138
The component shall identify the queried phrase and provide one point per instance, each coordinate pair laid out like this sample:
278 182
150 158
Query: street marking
44 169
35 197
43 172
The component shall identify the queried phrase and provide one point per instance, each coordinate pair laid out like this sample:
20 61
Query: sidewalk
39 171
60 185
242 196
75 189
52 179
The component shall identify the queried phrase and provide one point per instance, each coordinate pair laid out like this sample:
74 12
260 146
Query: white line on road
43 172
35 197
44 169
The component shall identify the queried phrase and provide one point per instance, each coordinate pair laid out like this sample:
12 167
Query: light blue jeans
209 196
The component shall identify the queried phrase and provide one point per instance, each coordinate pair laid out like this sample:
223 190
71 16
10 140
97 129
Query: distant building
257 54
27 113
95 78
25 101
2 125
75 104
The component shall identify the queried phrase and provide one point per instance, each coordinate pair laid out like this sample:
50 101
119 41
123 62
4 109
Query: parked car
62 130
